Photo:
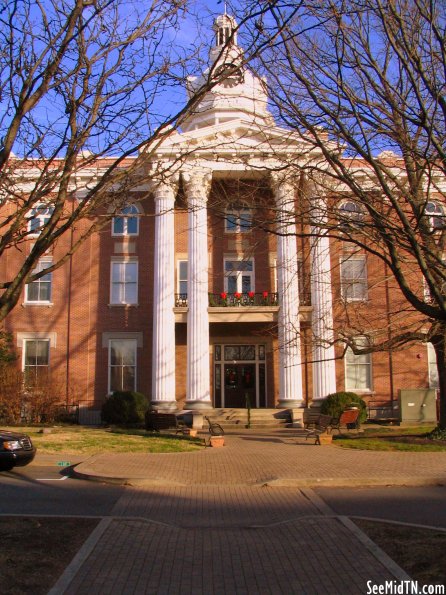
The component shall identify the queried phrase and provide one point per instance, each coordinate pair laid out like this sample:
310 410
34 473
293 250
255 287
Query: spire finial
225 7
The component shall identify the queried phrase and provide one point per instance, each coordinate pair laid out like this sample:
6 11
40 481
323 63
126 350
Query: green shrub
335 404
124 408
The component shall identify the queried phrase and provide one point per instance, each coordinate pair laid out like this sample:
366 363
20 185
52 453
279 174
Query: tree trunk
439 342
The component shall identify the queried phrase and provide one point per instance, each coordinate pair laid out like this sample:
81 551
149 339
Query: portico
232 136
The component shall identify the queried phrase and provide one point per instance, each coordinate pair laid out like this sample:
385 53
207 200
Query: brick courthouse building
185 297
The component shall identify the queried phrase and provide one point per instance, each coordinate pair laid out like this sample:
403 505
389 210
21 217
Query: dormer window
127 222
38 218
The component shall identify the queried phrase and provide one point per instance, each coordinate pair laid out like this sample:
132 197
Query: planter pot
217 441
190 432
325 438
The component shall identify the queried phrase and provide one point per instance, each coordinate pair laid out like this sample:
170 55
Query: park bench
156 422
315 424
348 419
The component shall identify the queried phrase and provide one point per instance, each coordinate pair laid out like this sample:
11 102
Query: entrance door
240 385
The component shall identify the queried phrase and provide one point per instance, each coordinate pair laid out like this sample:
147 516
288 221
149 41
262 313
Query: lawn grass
391 438
72 439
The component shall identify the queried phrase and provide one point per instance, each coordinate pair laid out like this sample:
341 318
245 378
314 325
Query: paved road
42 488
422 505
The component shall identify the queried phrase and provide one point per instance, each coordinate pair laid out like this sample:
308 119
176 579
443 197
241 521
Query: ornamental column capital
283 187
197 183
164 188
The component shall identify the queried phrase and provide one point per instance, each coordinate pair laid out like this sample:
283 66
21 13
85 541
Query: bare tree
83 87
364 83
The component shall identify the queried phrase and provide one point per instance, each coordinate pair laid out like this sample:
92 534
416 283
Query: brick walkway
238 520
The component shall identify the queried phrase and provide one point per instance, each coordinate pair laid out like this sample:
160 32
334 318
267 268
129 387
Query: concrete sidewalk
239 520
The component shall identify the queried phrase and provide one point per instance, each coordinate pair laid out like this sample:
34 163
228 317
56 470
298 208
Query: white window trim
180 260
362 391
351 258
432 370
232 211
40 302
239 273
28 340
135 347
124 261
41 218
125 232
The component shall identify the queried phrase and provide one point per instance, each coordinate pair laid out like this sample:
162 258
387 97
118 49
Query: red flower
251 294
265 294
237 295
223 295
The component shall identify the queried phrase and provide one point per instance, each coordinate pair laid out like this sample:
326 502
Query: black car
15 450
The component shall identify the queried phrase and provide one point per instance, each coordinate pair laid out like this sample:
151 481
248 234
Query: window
122 365
39 291
238 219
127 222
38 218
436 215
358 368
36 360
239 276
124 283
182 277
351 214
432 366
353 278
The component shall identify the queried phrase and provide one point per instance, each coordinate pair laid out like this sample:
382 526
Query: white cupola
239 94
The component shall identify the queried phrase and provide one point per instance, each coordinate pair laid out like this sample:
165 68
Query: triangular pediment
237 137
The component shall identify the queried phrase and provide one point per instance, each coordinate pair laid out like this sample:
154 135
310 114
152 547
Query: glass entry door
240 385
239 376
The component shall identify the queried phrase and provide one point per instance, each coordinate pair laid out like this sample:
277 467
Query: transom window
127 222
38 218
238 219
122 365
39 291
239 275
436 215
358 368
36 360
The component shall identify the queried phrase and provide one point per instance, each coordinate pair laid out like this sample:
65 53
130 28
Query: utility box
418 405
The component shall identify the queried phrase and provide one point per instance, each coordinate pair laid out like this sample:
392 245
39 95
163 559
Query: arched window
127 222
350 211
38 217
436 215
238 219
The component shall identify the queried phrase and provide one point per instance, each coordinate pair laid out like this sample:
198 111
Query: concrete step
259 418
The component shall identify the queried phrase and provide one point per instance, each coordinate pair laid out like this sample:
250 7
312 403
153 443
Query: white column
197 186
290 364
324 369
163 353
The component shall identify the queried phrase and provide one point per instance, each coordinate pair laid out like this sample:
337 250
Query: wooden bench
310 418
156 422
347 419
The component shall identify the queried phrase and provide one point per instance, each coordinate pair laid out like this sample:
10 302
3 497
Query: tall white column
324 369
290 364
163 355
197 187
